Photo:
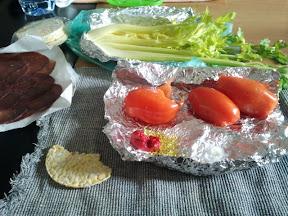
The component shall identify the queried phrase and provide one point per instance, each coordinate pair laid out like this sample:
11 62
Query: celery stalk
198 36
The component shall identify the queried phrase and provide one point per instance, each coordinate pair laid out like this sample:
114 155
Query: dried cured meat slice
35 61
14 66
39 88
25 85
2 85
48 68
7 67
15 74
27 113
24 110
4 57
8 100
46 99
6 115
9 63
9 114
34 79
28 88
30 80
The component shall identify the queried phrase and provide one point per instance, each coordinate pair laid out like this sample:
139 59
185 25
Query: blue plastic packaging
37 7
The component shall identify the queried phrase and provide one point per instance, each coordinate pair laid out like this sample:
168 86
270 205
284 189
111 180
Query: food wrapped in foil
189 144
142 16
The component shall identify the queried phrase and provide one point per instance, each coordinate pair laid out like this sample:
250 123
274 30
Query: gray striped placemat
135 188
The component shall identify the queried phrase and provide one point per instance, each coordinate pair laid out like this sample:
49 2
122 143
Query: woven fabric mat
135 188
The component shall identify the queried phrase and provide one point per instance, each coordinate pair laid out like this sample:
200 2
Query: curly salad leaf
199 36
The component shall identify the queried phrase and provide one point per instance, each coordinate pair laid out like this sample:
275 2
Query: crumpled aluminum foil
202 149
142 16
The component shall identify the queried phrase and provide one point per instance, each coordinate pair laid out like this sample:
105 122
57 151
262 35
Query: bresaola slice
7 67
38 89
26 86
35 61
46 99
11 114
8 100
47 69
14 66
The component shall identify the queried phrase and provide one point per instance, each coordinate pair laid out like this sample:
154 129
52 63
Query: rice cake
75 170
51 31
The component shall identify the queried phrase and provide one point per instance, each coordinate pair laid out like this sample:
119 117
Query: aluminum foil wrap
191 145
142 16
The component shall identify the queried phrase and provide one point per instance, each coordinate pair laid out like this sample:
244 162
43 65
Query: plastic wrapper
63 74
192 145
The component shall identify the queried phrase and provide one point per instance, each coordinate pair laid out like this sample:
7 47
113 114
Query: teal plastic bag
75 29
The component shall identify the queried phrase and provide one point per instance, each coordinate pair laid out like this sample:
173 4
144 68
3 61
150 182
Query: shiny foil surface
142 16
192 145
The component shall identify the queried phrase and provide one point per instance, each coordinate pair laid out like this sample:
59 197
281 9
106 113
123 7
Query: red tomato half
212 106
150 105
252 97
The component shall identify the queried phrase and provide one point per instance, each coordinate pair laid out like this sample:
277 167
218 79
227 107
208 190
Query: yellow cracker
76 170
